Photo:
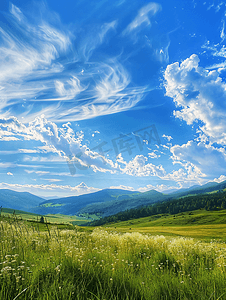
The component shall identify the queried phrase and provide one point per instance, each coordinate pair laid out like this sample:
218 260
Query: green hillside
199 224
109 208
212 201
193 218
18 200
53 219
73 205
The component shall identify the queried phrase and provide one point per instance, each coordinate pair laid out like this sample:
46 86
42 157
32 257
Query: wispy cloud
94 38
80 189
143 17
52 180
40 62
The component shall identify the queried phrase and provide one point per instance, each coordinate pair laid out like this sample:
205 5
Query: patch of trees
213 201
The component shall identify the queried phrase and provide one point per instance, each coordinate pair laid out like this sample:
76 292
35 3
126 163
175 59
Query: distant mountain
105 202
206 188
143 199
181 190
18 200
72 205
50 198
109 208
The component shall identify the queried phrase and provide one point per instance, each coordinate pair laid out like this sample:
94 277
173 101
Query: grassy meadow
50 218
201 224
102 263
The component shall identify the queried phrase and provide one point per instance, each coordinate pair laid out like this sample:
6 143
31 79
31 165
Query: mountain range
19 200
103 203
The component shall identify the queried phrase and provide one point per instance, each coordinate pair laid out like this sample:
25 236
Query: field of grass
51 218
97 263
200 224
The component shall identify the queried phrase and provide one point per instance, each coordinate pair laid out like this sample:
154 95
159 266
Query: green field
200 224
50 218
149 258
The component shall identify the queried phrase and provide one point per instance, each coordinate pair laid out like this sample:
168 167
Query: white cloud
94 38
61 141
153 155
220 179
189 174
138 167
67 145
200 96
168 137
148 187
33 67
42 172
52 180
122 187
217 50
210 161
223 31
115 80
7 165
74 88
80 189
143 17
164 146
10 174
159 187
28 151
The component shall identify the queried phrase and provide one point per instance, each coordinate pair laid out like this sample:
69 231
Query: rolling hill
104 203
202 189
18 200
72 205
115 206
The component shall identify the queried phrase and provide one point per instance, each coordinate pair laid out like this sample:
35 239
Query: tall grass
74 264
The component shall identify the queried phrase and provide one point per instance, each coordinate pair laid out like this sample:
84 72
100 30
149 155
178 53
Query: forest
212 201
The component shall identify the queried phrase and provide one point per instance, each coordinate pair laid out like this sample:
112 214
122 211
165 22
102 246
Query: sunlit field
56 218
100 264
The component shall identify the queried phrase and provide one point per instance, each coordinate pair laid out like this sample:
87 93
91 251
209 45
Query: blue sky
111 94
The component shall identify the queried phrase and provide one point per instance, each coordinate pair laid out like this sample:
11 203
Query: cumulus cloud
69 146
207 160
153 155
187 175
220 179
199 95
139 167
168 137
61 141
10 174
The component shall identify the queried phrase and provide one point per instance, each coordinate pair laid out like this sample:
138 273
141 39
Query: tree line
214 201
